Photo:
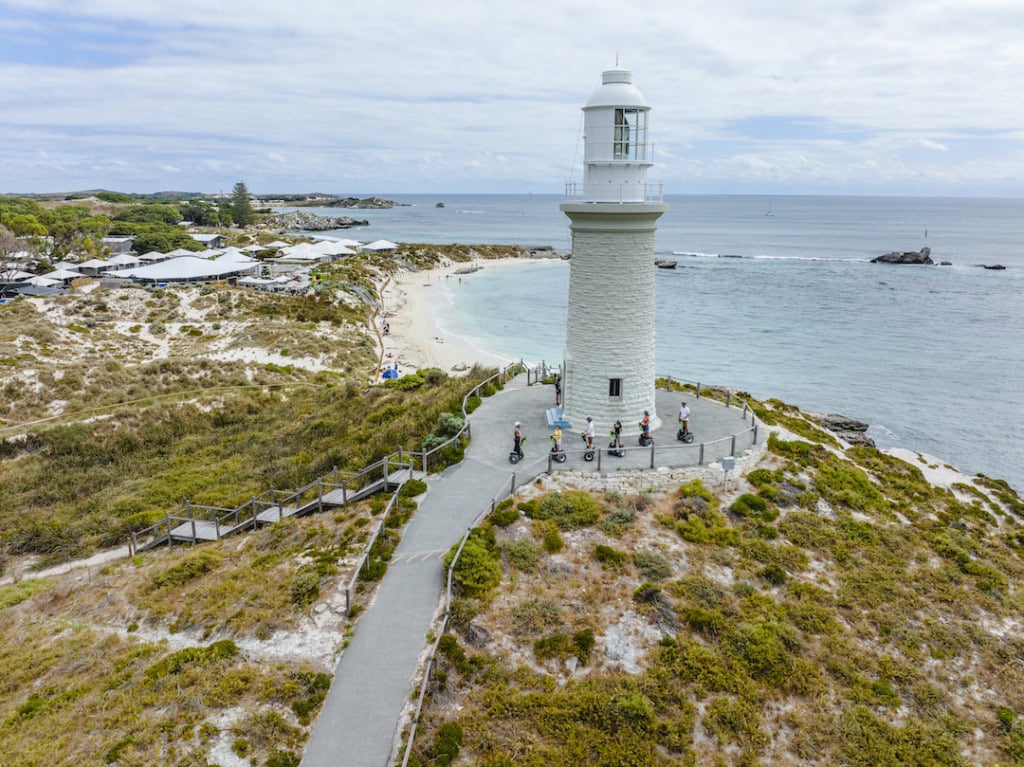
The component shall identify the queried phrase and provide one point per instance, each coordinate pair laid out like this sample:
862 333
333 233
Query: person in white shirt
684 418
589 432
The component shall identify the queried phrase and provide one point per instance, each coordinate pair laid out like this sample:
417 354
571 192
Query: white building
609 364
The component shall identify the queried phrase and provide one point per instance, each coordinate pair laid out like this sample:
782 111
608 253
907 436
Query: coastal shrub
504 514
447 743
472 403
191 566
774 574
448 425
569 510
547 531
800 452
488 390
412 487
618 520
609 558
652 565
524 555
305 586
754 507
843 484
478 569
646 593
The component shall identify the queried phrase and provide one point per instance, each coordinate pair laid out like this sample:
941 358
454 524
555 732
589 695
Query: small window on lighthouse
622 123
614 387
630 134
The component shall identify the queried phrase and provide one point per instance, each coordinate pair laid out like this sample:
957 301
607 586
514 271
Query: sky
864 97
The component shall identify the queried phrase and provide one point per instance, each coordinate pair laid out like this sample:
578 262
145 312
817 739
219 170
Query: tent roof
62 274
186 268
124 258
17 275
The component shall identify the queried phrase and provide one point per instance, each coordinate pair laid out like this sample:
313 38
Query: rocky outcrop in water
847 429
364 202
303 221
923 256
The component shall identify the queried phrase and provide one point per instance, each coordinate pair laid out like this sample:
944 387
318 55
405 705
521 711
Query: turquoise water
931 357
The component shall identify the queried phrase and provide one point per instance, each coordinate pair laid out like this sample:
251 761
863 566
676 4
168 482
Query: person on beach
684 418
616 434
518 438
558 390
387 328
588 433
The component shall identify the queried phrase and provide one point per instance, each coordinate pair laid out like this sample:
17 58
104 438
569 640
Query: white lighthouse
609 363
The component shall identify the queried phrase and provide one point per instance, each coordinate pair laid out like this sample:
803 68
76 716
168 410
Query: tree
150 213
241 207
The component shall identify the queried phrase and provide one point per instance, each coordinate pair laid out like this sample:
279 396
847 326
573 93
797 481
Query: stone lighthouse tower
609 353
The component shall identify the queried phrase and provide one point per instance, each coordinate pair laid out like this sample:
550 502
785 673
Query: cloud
401 96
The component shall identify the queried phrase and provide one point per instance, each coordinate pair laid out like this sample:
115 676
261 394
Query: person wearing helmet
588 433
518 439
645 424
684 418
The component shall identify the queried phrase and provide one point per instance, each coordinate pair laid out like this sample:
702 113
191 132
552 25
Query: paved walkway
373 682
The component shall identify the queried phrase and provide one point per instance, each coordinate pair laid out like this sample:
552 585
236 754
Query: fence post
400 459
254 512
732 446
700 458
513 482
424 461
348 600
216 527
319 496
698 389
668 383
728 397
469 430
549 463
385 474
744 411
335 474
599 460
755 433
192 521
652 455
133 550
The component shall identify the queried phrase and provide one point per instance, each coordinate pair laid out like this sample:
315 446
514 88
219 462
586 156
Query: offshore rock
847 429
923 256
364 202
304 221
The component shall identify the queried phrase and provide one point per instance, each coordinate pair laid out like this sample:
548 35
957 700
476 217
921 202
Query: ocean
776 296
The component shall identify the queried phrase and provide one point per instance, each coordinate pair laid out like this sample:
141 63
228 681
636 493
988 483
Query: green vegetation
840 610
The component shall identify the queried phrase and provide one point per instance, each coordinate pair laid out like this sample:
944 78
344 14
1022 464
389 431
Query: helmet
589 418
646 413
518 424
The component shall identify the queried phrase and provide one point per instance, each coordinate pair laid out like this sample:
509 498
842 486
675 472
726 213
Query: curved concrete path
373 681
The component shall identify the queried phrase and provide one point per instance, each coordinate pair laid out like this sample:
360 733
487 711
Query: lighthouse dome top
617 90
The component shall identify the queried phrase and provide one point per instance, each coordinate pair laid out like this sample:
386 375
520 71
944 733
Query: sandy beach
414 339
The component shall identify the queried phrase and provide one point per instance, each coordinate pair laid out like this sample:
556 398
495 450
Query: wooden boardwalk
196 523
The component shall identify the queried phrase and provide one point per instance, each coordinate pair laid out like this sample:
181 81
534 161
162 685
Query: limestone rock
477 636
923 256
304 221
847 429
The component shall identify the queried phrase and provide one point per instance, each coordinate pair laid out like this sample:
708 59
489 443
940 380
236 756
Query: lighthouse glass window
630 134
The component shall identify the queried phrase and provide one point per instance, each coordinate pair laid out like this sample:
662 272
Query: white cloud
403 96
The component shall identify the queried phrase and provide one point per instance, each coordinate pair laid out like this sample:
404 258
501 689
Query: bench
556 417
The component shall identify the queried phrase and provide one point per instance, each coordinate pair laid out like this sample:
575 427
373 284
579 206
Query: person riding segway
645 430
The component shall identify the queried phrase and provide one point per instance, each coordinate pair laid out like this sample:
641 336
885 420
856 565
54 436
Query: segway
557 454
645 438
615 449
513 456
684 436
588 454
